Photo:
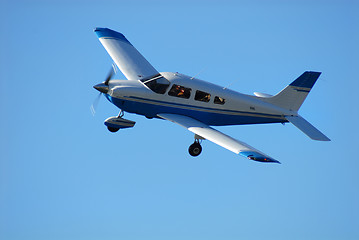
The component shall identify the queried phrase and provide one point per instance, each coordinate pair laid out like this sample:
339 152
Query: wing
217 137
131 63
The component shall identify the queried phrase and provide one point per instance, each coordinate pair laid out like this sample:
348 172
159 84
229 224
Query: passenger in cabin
219 100
206 98
202 96
180 91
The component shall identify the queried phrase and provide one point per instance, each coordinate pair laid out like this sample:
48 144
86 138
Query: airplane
195 104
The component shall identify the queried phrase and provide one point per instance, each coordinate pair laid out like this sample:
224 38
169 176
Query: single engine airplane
196 104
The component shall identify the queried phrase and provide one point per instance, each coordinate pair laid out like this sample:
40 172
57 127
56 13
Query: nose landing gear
116 123
112 129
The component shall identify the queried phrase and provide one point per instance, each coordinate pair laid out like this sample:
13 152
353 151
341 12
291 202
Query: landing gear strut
121 113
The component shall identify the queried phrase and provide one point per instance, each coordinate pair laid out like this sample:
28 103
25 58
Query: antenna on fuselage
230 84
198 73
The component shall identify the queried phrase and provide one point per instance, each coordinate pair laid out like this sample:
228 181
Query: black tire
195 149
112 129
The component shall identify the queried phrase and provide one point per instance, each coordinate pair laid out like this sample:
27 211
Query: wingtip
265 160
275 161
255 156
109 33
99 29
326 140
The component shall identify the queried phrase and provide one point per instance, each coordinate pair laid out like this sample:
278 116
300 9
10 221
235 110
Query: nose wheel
195 149
113 129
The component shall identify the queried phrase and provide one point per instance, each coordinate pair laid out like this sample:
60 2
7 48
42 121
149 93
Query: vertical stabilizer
293 96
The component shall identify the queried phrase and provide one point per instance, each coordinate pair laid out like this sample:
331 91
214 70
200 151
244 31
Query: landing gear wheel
112 129
195 149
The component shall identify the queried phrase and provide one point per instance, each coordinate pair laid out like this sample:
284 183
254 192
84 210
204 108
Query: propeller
110 74
102 88
94 104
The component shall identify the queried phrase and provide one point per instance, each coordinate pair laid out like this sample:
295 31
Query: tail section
293 96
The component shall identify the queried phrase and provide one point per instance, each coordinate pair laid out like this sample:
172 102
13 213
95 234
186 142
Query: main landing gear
195 149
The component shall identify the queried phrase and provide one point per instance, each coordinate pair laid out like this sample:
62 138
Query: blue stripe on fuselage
211 116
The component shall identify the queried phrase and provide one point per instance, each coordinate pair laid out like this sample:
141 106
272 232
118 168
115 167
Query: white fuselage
219 107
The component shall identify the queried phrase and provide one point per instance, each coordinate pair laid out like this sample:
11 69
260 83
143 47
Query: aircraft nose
101 87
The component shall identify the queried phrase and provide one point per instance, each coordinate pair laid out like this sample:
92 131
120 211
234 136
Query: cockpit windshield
156 83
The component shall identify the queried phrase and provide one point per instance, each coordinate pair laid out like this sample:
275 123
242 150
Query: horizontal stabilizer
307 128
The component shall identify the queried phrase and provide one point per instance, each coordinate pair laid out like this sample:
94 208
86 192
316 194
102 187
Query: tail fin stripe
306 80
302 90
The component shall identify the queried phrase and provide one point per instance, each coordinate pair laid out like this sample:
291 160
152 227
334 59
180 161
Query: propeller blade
115 69
109 76
94 104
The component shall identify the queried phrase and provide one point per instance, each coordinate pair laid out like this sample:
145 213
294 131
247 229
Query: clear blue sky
64 176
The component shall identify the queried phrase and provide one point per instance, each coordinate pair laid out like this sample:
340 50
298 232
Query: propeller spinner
102 88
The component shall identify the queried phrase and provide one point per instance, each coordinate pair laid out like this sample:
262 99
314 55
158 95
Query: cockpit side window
202 96
180 91
219 100
157 83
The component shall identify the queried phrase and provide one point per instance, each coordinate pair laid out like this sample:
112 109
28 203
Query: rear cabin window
157 83
202 96
179 91
219 100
